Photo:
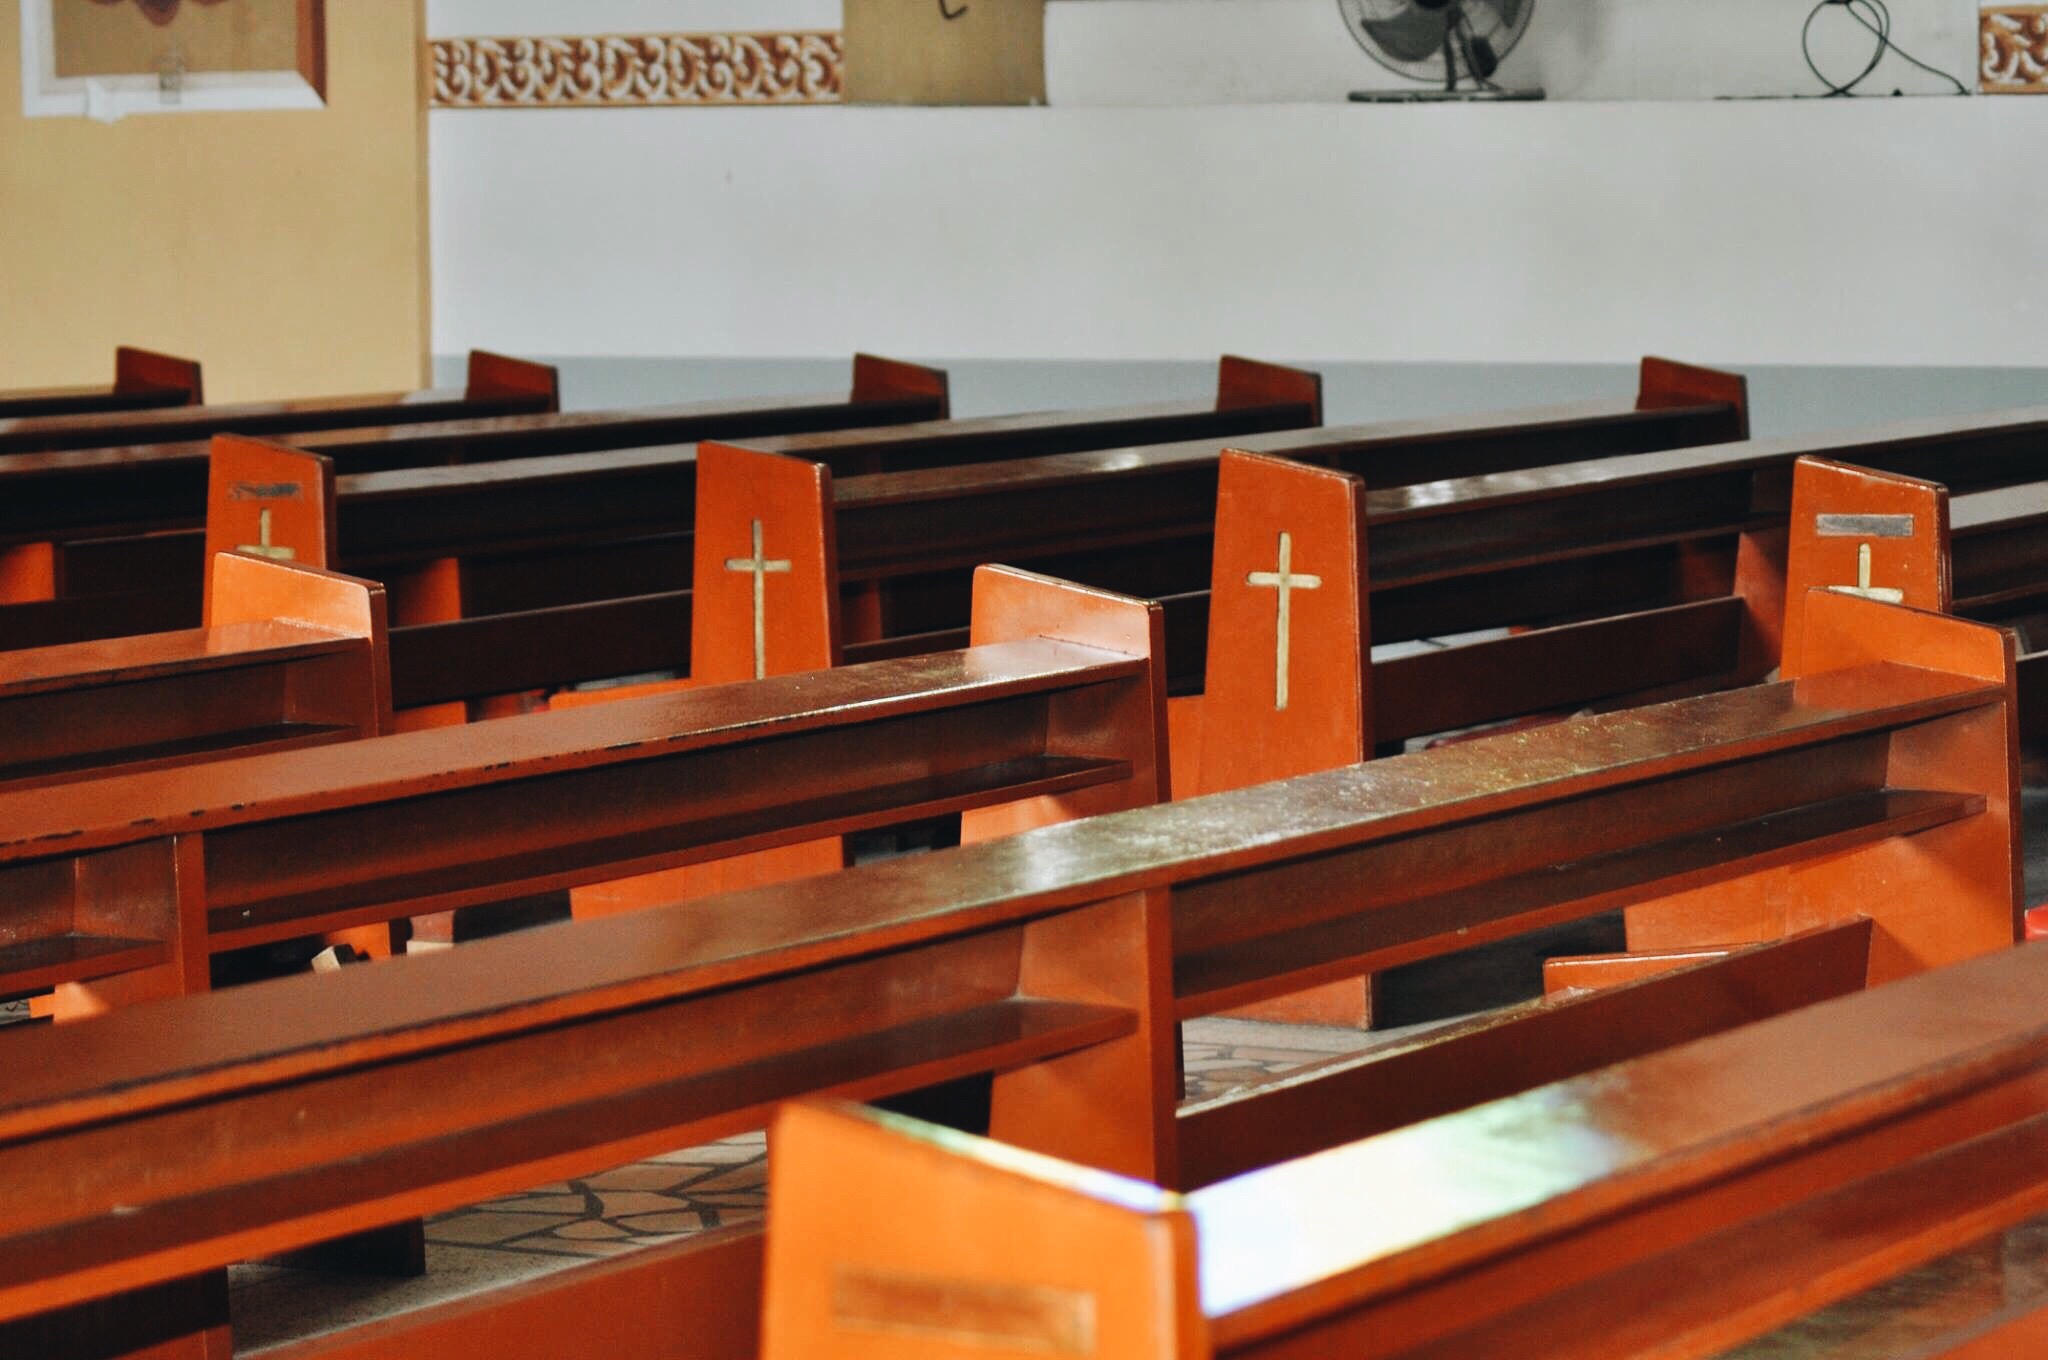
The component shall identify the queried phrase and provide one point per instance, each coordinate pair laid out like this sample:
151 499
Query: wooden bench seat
294 657
497 386
95 523
1870 800
159 488
1673 1205
143 380
243 851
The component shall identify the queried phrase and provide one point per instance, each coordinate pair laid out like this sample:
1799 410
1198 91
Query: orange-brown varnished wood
494 377
112 429
1591 972
879 379
1288 678
1244 382
1674 1204
269 501
899 973
148 371
1666 383
1857 530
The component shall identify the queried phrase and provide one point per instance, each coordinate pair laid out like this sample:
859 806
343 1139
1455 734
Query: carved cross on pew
263 546
1285 580
1888 594
760 568
1865 527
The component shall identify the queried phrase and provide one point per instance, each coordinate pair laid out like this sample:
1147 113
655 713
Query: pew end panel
1006 1252
251 589
1288 674
297 658
144 370
106 929
1011 605
500 377
765 598
1289 640
1946 893
1243 383
1858 532
879 379
269 501
765 602
1667 383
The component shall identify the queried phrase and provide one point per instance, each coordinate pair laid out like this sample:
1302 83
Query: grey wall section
1784 400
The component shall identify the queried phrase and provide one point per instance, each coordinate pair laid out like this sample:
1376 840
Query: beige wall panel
285 250
909 52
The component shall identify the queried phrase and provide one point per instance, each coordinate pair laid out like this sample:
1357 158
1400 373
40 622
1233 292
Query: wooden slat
417 1169
37 965
1736 1102
1576 664
1207 982
1510 1051
231 793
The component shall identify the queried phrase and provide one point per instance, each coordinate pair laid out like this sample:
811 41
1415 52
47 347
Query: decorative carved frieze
637 70
2014 50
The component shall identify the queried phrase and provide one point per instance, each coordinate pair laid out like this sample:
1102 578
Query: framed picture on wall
106 59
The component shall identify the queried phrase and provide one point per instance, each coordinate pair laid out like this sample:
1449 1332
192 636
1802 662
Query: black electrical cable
1877 17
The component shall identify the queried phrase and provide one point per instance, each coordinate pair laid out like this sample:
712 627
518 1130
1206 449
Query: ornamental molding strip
638 70
2014 51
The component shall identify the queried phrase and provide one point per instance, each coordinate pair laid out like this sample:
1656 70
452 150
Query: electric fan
1444 42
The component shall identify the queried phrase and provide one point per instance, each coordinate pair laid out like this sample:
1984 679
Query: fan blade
1415 35
1510 11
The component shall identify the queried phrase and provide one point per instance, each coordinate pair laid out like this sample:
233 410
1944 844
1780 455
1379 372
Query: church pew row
1450 557
157 492
390 524
496 385
119 888
293 656
143 379
96 523
1870 800
1673 1205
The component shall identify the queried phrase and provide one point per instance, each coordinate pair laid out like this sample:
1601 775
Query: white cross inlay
759 567
1286 581
263 547
1863 588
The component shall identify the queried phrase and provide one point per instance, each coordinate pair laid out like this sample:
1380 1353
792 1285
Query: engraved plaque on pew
945 51
269 501
976 1312
1869 534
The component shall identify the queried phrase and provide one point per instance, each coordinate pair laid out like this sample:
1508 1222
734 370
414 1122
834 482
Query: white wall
1869 232
1877 232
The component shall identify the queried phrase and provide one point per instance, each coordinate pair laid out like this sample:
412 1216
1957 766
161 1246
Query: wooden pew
1673 1205
292 656
143 379
495 519
121 887
94 524
159 489
497 386
1870 798
1669 564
